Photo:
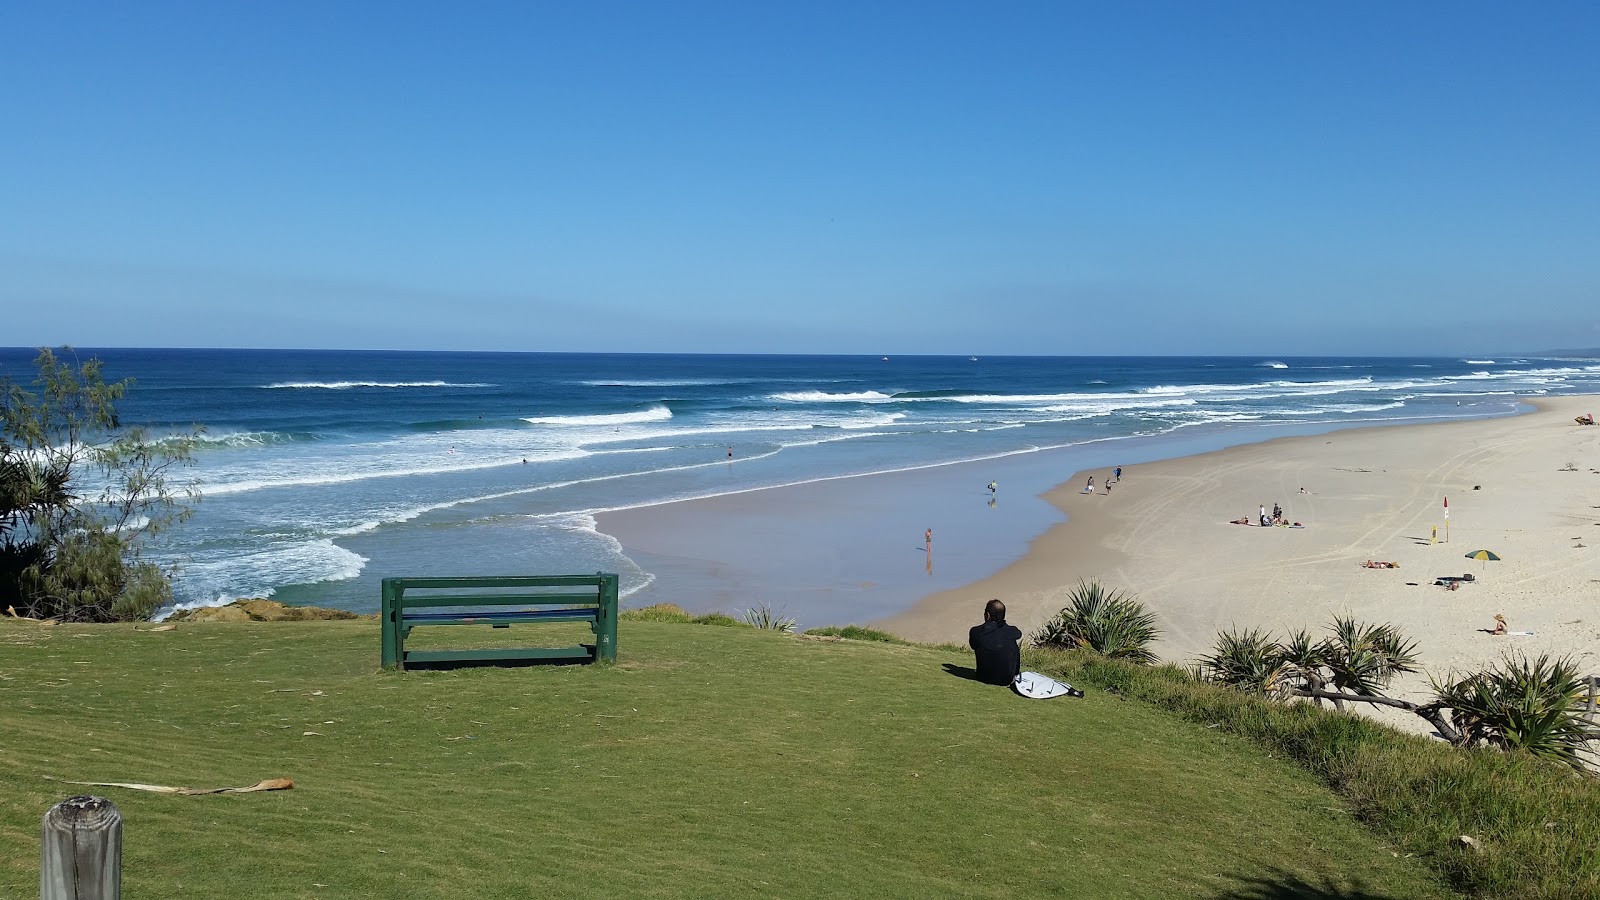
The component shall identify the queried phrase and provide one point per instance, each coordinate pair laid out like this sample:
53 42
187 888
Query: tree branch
1433 713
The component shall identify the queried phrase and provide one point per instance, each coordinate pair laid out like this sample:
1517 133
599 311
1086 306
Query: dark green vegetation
79 496
857 633
1109 622
1536 706
709 762
1537 823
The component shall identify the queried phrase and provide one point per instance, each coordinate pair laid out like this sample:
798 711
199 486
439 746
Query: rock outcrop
260 610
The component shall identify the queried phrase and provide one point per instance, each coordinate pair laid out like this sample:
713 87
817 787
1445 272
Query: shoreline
837 548
850 548
1164 535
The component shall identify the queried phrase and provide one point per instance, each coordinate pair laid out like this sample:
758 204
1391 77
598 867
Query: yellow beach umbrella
1484 555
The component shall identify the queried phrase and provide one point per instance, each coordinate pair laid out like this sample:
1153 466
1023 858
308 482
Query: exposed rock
214 614
261 610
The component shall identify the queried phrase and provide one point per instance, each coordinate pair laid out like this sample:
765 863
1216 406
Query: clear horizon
1234 179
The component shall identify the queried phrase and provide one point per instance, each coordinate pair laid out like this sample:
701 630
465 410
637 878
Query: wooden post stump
81 851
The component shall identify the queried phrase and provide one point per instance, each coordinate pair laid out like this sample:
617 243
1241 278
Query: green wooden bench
412 602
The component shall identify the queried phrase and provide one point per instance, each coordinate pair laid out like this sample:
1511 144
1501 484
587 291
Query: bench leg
605 623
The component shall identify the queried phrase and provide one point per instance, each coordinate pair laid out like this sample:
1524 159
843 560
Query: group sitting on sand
1277 518
1585 419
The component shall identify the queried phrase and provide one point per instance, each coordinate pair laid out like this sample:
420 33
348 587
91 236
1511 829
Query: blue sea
323 471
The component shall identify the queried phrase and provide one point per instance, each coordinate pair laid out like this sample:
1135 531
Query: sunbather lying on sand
1242 520
1586 419
1380 564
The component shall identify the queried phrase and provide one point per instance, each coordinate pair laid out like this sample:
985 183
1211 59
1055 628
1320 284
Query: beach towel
1042 687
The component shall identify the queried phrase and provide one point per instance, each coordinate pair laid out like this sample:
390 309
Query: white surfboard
1042 687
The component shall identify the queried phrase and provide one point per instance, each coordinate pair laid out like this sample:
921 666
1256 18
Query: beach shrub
1363 658
1536 706
1248 660
81 497
857 633
764 617
1533 706
1112 623
672 612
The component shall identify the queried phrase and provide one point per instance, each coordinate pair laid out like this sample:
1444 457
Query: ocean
324 471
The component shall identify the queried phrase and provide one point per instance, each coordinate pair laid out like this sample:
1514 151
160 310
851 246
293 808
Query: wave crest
348 385
825 397
653 414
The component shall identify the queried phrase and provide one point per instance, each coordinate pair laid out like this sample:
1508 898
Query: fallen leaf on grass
270 784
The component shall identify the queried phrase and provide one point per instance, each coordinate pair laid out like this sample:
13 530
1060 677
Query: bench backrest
509 590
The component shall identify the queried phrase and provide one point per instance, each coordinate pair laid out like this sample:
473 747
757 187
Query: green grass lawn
709 762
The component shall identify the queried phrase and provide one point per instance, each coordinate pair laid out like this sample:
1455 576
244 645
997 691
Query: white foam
347 385
348 470
825 397
663 382
221 581
653 414
1479 362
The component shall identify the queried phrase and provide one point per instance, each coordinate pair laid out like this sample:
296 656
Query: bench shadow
969 674
1280 885
439 665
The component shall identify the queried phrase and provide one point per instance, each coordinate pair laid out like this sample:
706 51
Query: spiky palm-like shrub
766 618
1536 706
1111 623
1363 658
1249 661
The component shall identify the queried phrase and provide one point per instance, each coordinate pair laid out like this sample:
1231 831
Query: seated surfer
996 645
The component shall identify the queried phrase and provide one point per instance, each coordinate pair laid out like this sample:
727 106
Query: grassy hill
709 762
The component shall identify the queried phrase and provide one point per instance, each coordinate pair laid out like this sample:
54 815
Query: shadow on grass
442 665
1280 885
969 674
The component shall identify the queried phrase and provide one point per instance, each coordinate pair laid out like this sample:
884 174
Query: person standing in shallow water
996 646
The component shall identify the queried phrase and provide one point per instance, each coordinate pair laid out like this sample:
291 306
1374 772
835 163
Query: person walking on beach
1263 519
927 540
1117 473
1089 488
992 486
996 646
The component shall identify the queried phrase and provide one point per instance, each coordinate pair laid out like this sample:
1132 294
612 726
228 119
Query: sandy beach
1526 487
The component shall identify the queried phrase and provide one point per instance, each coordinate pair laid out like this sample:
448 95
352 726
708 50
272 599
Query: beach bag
1042 687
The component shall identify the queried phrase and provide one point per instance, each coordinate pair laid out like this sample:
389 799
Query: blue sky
1031 178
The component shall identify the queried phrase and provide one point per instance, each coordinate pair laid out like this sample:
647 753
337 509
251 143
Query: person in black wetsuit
996 645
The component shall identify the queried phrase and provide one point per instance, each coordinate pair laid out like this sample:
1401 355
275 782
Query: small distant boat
886 359
972 359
